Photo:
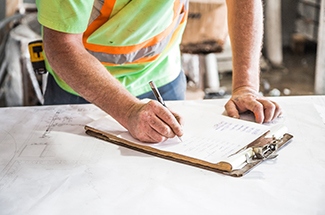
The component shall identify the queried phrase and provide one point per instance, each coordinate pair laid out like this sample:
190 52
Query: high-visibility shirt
136 40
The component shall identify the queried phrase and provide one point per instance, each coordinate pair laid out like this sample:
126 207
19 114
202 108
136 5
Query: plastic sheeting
19 84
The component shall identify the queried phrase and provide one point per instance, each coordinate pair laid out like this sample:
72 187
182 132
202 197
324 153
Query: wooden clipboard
263 148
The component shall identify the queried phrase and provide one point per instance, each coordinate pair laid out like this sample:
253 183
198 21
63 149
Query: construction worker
106 52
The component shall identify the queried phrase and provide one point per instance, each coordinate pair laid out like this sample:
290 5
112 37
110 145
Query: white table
50 166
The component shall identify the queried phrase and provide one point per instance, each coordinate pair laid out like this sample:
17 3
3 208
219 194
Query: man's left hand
246 99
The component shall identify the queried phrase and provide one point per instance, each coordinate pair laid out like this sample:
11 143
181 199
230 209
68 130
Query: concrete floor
295 77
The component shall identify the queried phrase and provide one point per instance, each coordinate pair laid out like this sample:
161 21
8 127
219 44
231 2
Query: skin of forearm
86 75
245 25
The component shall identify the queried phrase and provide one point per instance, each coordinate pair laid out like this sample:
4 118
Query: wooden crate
206 28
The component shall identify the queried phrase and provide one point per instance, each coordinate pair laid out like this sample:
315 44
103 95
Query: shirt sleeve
69 16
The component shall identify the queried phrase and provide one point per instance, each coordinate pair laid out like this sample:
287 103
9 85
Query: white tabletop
48 165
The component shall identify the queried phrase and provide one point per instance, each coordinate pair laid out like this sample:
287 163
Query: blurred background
292 61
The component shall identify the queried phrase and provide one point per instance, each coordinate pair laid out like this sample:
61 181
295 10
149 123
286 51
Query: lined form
207 136
218 141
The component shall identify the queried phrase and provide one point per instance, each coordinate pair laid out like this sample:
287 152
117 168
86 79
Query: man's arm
245 24
150 122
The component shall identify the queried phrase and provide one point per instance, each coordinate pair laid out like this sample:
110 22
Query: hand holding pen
151 122
159 98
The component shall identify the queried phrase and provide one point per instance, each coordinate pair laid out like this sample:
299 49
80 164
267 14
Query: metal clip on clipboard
263 152
261 149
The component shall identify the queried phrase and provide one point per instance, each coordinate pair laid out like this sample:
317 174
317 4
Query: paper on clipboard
207 136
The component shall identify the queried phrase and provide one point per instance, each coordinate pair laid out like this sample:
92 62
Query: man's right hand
152 122
148 122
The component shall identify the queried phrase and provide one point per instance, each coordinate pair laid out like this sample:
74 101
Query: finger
147 133
231 109
155 116
161 127
269 109
180 121
278 111
155 137
170 120
179 118
258 110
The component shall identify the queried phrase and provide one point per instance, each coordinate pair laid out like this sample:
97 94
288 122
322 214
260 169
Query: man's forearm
245 21
86 75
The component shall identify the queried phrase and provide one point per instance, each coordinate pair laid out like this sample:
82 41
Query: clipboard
263 148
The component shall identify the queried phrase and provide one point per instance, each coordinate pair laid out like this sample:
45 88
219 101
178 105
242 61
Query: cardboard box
206 28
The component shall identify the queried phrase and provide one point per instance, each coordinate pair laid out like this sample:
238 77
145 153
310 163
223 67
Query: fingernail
234 117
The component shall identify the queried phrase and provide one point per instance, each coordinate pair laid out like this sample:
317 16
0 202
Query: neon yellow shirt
138 42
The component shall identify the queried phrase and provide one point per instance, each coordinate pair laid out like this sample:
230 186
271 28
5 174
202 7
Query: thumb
231 109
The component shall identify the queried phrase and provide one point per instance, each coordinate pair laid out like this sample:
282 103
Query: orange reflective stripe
176 33
184 17
149 51
177 5
152 58
132 48
105 12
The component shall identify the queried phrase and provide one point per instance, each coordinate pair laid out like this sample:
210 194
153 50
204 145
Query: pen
159 98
